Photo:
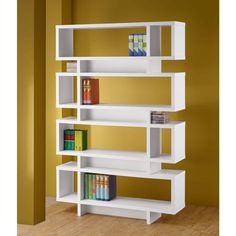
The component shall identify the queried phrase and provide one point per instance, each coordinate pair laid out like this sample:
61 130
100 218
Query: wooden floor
61 219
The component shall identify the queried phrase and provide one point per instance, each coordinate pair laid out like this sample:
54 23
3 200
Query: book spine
94 91
84 100
85 140
86 186
94 187
140 45
90 187
88 93
112 187
131 44
77 140
144 45
135 44
72 139
80 148
65 139
106 188
101 187
97 187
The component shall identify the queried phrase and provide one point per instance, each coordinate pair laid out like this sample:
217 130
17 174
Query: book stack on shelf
90 91
99 187
75 140
159 117
71 67
137 45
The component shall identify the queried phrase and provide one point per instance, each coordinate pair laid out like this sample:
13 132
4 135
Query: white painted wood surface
146 164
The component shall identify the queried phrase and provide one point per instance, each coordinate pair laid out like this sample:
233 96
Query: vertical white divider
178 192
178 90
152 217
81 209
79 90
178 40
178 141
64 42
154 144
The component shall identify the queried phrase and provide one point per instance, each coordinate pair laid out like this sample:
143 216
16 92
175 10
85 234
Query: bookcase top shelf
120 25
118 74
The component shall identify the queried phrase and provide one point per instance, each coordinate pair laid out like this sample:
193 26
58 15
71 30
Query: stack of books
99 187
71 67
137 45
90 91
159 117
75 139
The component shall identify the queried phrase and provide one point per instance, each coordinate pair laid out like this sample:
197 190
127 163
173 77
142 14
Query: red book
84 91
92 86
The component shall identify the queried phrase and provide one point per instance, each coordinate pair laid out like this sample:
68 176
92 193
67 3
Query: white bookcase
122 163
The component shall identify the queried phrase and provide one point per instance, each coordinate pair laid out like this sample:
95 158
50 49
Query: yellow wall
31 112
202 90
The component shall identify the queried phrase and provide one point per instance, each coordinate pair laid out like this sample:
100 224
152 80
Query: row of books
159 117
137 45
75 139
71 67
99 187
90 91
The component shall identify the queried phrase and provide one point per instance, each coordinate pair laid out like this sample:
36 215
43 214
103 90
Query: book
106 188
159 117
94 186
101 187
97 187
136 44
140 45
144 48
92 92
86 190
84 100
77 139
66 139
72 139
71 67
90 186
131 44
112 187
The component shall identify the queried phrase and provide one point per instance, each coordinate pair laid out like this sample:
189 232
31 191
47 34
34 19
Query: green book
72 139
66 139
94 187
85 140
86 190
90 186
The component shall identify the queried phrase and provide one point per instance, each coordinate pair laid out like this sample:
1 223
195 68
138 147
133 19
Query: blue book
144 48
140 45
131 44
136 44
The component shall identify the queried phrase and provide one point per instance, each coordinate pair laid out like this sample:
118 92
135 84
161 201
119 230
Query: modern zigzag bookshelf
122 163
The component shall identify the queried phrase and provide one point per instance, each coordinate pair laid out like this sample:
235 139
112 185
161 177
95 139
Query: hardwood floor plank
62 220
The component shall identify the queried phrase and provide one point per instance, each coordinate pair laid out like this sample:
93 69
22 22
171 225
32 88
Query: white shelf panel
73 105
120 155
120 25
161 174
140 107
133 204
161 74
61 74
68 166
73 120
70 198
122 58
